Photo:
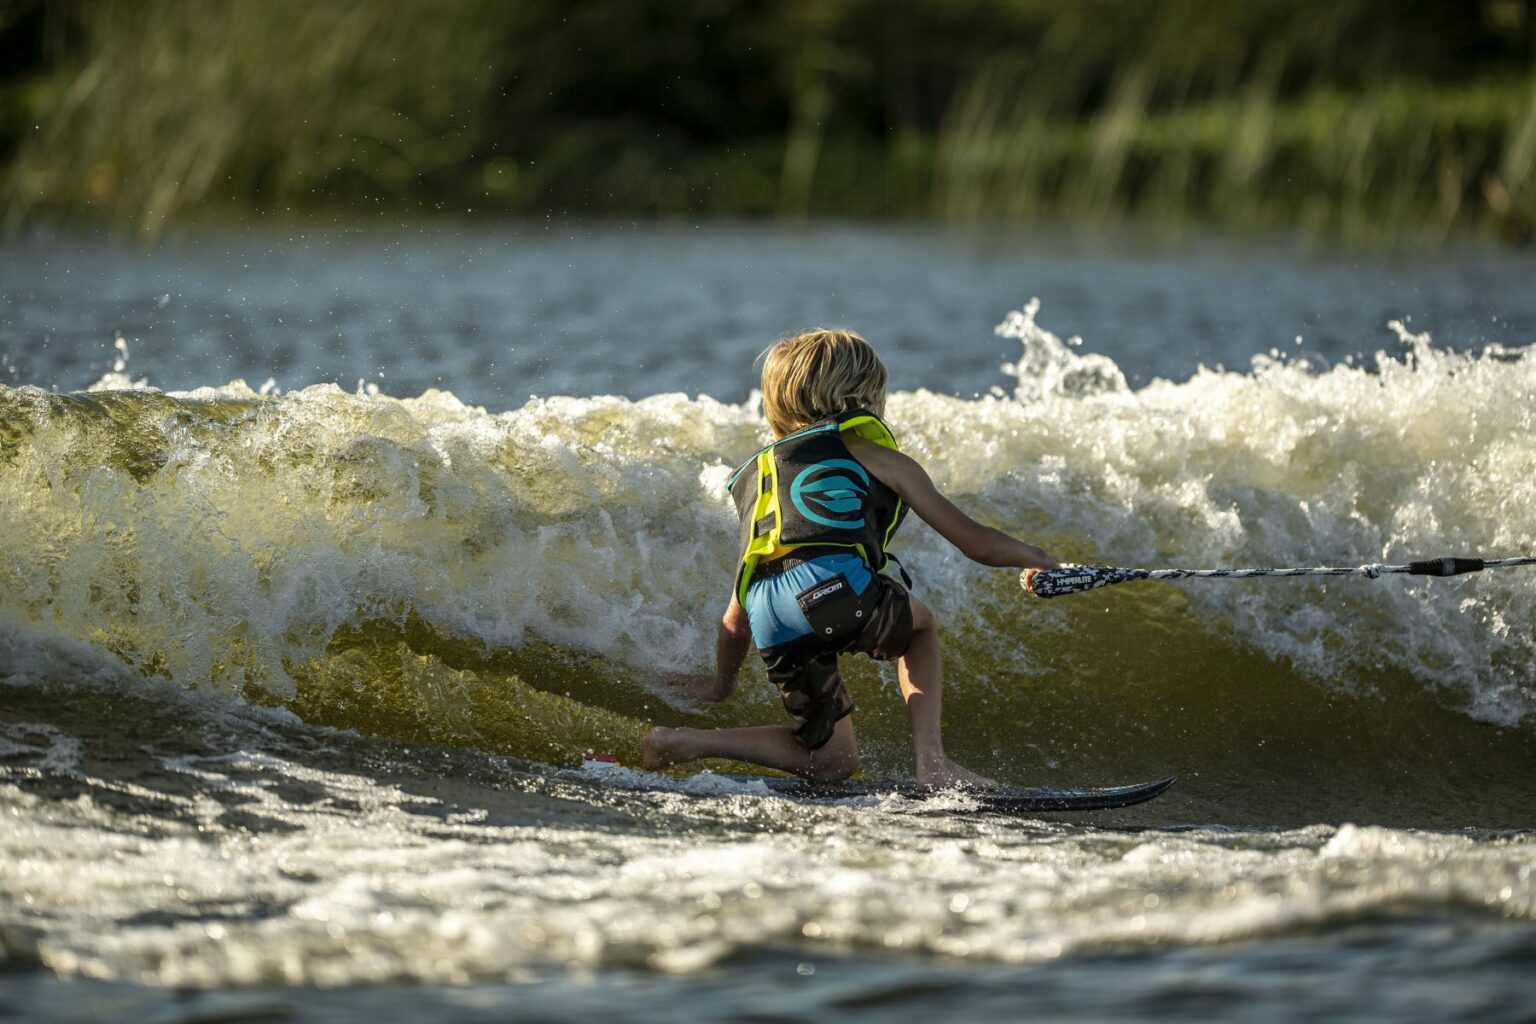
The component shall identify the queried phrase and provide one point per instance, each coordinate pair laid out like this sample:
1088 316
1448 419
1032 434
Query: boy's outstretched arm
976 541
731 644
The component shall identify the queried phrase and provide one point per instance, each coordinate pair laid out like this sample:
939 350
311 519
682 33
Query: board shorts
805 616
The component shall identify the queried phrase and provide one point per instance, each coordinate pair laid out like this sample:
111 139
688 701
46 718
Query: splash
1052 367
526 580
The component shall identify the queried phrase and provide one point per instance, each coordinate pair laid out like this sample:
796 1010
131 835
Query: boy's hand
1027 578
699 686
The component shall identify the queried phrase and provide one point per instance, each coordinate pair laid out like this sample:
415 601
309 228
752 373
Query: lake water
297 672
499 313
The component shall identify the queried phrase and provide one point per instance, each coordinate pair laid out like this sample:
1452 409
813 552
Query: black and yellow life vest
806 490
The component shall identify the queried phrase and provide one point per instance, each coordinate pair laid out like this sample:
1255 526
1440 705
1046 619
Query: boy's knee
835 767
837 759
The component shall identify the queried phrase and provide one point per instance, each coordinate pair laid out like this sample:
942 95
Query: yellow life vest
806 490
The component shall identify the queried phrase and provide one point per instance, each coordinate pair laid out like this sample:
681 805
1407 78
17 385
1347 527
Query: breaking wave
524 581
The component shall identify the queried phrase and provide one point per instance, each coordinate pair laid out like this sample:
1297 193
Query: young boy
818 508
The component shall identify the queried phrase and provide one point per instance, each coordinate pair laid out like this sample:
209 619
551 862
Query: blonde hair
817 374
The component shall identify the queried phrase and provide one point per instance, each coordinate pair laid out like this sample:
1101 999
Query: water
496 314
296 683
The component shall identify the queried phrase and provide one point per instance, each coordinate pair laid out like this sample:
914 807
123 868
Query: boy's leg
772 746
921 673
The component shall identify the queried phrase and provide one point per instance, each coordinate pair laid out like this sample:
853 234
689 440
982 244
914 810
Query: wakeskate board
1004 800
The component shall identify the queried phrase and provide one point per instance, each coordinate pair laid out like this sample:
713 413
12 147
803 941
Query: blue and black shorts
805 615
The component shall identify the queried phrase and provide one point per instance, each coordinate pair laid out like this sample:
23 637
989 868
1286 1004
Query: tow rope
1075 579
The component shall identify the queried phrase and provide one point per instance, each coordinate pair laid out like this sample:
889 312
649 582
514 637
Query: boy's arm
978 542
731 645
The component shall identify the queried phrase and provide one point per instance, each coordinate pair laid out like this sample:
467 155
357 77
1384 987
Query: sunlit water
297 676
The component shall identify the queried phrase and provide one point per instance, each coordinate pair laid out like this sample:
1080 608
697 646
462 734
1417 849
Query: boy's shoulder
863 446
889 465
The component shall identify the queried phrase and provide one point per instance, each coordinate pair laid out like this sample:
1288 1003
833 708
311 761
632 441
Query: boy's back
818 508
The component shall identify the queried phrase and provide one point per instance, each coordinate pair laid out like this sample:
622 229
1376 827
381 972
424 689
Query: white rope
1072 579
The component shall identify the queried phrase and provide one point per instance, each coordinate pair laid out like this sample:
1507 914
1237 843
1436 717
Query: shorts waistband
799 556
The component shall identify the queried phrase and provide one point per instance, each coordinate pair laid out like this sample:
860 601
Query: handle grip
1445 566
1074 579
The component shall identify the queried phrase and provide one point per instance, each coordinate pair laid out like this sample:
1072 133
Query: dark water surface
1363 973
498 313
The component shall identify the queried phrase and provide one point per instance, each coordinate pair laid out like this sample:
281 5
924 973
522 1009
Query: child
818 507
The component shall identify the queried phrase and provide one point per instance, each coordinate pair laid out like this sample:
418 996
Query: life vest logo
831 493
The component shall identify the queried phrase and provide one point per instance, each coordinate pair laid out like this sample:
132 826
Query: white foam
352 883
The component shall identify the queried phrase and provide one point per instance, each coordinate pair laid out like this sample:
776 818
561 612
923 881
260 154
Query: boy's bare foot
656 749
942 773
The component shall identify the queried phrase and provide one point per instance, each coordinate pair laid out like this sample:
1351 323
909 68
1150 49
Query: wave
524 581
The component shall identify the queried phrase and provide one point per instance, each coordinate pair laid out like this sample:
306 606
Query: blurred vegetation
1359 119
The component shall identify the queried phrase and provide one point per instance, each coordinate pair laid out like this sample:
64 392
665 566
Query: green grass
1328 117
1406 161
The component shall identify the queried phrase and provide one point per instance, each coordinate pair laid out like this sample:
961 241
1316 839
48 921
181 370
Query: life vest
806 490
